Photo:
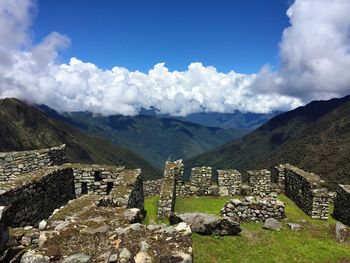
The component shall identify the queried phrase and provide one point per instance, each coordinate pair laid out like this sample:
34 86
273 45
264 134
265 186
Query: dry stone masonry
260 181
152 187
342 204
230 182
254 209
200 180
89 179
307 191
280 177
28 202
13 164
166 204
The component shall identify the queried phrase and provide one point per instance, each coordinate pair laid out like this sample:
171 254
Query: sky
137 34
179 56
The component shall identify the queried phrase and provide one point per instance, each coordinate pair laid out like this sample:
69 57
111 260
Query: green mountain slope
23 127
324 147
155 139
258 148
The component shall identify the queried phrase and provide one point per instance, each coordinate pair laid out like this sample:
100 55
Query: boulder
207 224
342 233
272 224
32 257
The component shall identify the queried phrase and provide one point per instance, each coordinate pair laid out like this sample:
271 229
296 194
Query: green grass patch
151 206
314 243
205 204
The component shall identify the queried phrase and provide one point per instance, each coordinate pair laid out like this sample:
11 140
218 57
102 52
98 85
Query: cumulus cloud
315 49
314 53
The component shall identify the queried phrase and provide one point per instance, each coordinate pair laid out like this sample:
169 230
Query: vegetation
155 139
314 243
315 137
24 127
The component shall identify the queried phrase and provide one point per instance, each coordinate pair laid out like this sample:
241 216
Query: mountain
236 120
24 127
155 139
315 137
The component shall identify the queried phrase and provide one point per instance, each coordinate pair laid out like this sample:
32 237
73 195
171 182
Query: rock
26 228
61 225
183 228
42 225
32 257
194 189
113 258
77 258
214 190
342 233
94 231
132 227
104 257
207 224
182 258
124 255
144 246
294 226
142 257
272 224
133 215
223 191
26 241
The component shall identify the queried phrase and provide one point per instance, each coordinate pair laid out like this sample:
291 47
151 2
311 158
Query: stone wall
260 181
90 179
13 164
229 182
173 171
200 183
127 191
280 178
201 180
28 202
152 187
342 204
307 191
254 209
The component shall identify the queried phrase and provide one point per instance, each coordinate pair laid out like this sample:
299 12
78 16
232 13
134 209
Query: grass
314 243
151 206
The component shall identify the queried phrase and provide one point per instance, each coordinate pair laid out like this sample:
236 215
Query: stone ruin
229 182
342 204
305 189
63 212
44 202
260 181
254 209
166 204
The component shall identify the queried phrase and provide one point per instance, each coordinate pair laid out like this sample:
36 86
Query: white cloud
314 52
315 49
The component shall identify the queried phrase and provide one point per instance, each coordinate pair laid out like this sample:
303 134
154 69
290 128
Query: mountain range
155 138
24 127
237 120
315 137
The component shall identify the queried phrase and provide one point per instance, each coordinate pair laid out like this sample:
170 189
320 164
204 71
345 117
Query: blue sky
239 35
